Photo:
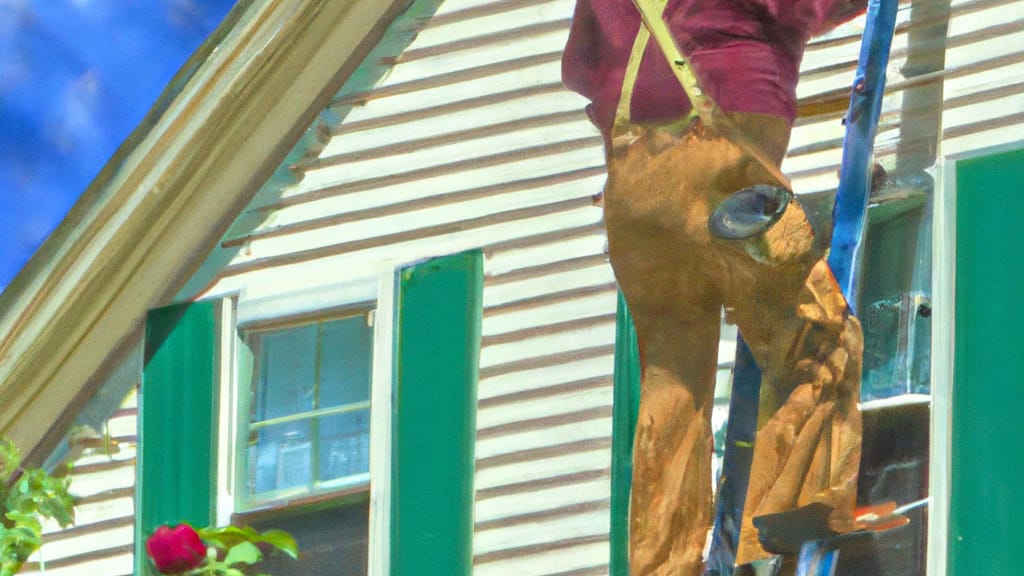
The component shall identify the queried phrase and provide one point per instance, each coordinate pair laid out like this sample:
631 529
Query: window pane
345 360
344 445
280 457
287 371
303 372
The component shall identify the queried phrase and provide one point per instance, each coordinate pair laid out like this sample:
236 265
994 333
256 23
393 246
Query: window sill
300 505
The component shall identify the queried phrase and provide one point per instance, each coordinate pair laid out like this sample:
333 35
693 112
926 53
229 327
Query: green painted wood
987 460
434 419
177 411
626 406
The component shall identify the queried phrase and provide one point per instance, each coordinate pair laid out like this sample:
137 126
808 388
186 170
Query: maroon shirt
746 53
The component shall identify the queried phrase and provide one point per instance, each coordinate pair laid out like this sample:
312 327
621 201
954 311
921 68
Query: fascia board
158 208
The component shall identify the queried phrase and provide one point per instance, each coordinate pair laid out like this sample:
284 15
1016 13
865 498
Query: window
308 428
306 459
285 441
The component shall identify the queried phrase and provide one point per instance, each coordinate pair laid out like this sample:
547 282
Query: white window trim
228 412
248 309
943 339
382 406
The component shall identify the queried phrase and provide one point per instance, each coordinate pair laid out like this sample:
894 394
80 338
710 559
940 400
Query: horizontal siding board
588 485
80 529
574 253
537 26
548 391
568 343
575 556
517 492
580 414
543 559
534 379
459 10
547 360
553 473
89 543
523 42
496 419
458 20
440 134
525 536
536 444
520 304
531 518
108 561
549 329
436 89
478 147
456 108
503 294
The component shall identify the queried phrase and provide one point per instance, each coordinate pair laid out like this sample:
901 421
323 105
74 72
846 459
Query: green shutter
626 406
987 466
177 411
434 421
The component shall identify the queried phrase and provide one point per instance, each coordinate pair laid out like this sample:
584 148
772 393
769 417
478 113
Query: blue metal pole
861 124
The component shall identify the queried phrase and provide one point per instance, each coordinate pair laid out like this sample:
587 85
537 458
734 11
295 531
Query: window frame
422 482
374 291
288 497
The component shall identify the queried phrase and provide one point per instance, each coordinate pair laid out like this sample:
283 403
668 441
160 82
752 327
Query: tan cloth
662 187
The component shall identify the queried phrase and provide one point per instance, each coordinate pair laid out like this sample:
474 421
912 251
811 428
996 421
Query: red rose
175 550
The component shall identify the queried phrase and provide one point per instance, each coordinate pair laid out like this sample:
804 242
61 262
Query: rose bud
175 550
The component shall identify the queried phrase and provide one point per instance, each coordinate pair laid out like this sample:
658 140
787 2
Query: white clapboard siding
469 140
984 88
103 485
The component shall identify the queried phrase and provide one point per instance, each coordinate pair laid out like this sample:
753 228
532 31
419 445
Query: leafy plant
224 551
26 497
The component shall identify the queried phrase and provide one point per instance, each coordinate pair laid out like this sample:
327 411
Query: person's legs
661 191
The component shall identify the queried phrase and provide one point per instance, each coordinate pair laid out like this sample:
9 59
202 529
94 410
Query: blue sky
76 76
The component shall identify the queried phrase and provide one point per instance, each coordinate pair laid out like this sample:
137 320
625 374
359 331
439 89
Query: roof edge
222 126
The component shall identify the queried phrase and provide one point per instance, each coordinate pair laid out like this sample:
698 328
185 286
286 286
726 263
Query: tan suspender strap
636 57
653 21
651 12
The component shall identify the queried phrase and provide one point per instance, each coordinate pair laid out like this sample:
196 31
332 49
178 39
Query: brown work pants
676 277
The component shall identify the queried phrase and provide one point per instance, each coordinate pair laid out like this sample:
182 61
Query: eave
164 200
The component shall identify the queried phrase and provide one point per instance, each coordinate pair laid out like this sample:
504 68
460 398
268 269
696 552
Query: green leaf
10 459
10 569
34 496
282 541
245 553
228 536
